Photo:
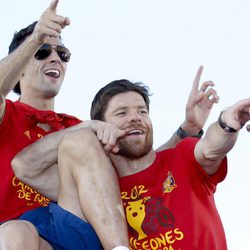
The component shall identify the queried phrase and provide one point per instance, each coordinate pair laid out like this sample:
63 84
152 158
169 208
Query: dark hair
18 38
103 96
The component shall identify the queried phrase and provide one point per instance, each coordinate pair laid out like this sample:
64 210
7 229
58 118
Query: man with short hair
168 196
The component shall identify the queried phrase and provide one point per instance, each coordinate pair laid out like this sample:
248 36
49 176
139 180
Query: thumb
115 149
66 21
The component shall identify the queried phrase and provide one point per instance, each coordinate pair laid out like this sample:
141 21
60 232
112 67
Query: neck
125 166
42 104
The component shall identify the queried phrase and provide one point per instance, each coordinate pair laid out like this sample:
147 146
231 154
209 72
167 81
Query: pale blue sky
161 43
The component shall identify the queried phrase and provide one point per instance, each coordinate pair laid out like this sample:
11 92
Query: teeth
135 132
52 72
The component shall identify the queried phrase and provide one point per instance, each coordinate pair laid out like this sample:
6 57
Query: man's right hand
49 24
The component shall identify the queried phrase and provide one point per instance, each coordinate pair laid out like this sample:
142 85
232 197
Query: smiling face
128 110
43 78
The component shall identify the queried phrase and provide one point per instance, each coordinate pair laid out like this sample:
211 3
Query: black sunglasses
45 50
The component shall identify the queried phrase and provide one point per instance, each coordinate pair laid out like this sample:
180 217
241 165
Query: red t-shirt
170 205
17 130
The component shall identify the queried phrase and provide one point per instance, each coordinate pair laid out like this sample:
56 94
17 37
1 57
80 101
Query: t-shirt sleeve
6 121
186 150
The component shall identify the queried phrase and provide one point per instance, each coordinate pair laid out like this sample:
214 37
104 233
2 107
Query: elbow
18 167
211 164
210 159
213 155
208 155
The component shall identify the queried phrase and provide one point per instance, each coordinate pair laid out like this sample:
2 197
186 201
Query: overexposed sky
161 43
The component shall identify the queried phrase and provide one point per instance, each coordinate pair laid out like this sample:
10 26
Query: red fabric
170 205
17 130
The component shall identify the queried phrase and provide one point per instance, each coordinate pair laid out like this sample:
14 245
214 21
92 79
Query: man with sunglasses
35 69
38 66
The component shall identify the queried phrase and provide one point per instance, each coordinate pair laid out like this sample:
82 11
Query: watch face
227 129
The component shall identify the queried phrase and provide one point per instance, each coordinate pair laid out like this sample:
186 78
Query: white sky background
161 43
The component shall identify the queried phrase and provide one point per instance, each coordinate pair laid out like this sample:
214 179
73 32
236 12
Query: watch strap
183 134
224 126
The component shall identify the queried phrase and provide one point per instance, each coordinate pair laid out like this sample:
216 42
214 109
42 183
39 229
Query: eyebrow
125 107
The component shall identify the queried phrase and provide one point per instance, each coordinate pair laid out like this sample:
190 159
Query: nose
134 117
54 57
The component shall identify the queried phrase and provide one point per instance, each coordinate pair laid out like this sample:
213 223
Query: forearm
212 149
39 156
12 66
171 143
218 142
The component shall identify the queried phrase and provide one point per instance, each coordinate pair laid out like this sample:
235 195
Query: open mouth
136 132
55 73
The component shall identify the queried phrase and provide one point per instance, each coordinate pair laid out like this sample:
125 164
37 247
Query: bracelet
183 134
224 126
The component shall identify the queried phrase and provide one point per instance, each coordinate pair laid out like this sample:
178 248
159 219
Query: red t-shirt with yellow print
170 205
17 130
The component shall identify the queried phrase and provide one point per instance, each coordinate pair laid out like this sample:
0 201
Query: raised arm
198 107
221 136
11 67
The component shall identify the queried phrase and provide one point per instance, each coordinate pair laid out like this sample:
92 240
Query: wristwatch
224 126
183 134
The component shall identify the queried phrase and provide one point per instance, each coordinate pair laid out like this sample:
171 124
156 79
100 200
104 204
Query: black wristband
183 134
224 126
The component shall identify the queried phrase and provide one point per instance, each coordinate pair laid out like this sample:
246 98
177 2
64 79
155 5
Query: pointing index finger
197 79
53 5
